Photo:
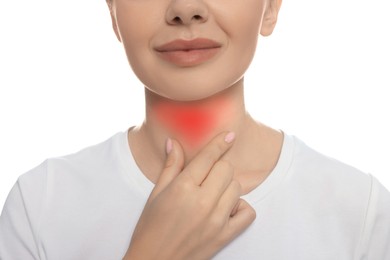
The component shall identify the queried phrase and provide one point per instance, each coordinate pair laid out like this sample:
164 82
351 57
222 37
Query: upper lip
187 45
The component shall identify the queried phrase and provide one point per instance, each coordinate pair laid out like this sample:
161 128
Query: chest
284 231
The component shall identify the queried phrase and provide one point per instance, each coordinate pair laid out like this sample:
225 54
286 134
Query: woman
203 151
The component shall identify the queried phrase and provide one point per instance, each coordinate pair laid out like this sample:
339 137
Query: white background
65 84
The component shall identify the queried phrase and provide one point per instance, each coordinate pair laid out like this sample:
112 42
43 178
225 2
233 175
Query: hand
193 212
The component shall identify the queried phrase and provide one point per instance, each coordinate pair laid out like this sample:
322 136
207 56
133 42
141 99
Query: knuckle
187 186
183 186
216 223
252 214
205 204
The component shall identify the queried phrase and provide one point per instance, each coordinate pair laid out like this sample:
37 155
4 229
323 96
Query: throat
191 122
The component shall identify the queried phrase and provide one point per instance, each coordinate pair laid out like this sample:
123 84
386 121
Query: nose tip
186 12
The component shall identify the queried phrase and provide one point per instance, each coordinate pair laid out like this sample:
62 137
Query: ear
113 20
270 17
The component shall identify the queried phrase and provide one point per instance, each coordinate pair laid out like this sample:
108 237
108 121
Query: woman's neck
194 124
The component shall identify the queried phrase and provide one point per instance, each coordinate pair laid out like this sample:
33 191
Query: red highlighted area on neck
190 122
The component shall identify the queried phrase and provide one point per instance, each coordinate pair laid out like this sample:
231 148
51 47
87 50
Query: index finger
204 161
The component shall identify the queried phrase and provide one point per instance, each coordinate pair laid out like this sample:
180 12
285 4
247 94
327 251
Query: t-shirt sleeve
376 234
21 216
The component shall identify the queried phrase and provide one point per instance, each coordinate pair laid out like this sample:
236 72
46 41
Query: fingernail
169 146
230 137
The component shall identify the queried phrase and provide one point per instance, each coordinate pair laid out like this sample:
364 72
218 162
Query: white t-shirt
86 205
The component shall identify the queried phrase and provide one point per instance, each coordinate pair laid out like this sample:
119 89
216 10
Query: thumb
241 219
173 166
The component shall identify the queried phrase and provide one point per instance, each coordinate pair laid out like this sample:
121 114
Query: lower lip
189 58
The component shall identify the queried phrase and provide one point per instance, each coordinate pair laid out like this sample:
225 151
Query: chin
191 90
188 94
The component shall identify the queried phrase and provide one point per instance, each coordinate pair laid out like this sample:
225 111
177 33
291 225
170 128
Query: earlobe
270 17
113 20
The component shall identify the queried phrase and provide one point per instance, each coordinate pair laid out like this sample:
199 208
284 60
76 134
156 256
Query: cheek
136 31
245 15
244 26
243 31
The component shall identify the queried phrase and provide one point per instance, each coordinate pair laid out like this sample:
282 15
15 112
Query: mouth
185 53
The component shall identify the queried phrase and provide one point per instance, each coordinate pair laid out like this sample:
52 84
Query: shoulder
319 167
58 187
355 198
88 162
332 183
79 172
339 183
